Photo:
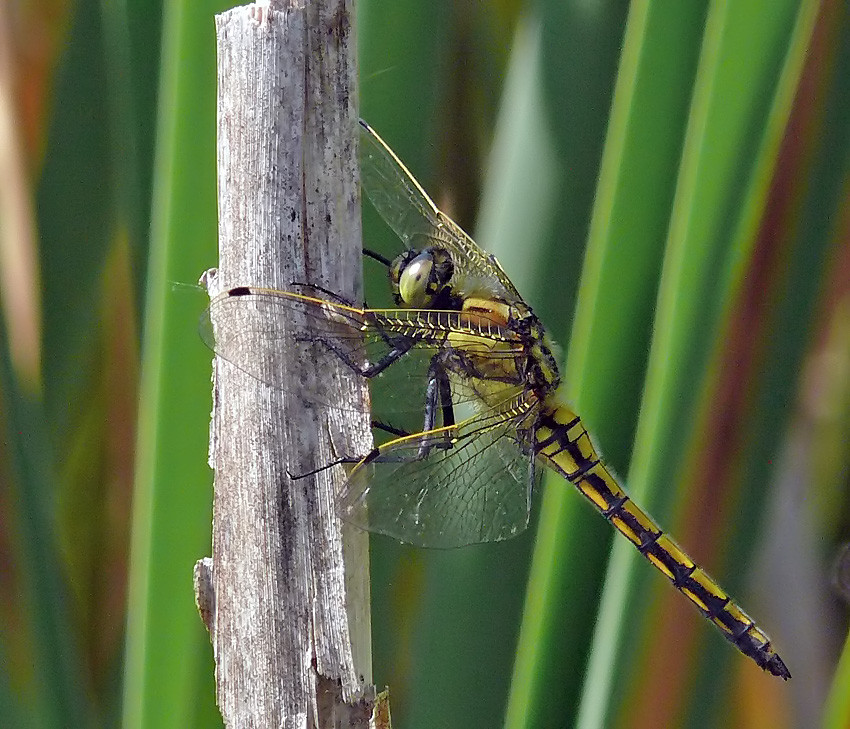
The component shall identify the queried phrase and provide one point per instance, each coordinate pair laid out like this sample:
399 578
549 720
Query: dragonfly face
470 360
421 280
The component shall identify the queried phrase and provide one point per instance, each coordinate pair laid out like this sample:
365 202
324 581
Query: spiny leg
532 477
327 292
349 460
400 347
438 395
387 428
375 256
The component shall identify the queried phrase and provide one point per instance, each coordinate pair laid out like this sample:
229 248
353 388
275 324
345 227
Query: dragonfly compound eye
420 278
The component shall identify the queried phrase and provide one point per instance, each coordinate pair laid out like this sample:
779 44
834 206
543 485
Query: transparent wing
476 490
261 332
408 210
289 326
395 193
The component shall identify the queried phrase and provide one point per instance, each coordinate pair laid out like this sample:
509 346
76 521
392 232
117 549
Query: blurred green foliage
666 183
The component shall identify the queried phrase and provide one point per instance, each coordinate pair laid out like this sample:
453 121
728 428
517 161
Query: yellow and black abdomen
564 445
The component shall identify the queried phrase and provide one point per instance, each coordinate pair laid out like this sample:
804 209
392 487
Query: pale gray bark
290 627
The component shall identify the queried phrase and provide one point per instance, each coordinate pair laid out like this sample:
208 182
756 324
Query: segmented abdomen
564 445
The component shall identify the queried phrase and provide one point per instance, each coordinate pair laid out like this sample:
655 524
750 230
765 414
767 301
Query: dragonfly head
420 279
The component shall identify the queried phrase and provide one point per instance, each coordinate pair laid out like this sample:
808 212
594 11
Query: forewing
475 491
255 328
414 217
394 192
258 330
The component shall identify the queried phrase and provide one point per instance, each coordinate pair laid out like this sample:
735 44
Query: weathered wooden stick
290 627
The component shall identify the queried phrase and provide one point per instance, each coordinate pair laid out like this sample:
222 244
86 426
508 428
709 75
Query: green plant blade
169 671
719 187
611 331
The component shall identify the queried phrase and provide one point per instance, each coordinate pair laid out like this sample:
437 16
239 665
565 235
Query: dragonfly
466 356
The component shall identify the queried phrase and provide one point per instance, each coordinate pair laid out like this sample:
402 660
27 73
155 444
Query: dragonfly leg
439 389
532 477
375 256
387 428
438 395
400 347
345 460
327 292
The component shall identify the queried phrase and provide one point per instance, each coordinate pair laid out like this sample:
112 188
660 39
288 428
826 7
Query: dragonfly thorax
420 279
542 366
534 366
